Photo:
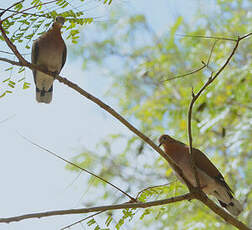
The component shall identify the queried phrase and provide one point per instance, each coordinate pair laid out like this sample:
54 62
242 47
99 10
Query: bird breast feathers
50 55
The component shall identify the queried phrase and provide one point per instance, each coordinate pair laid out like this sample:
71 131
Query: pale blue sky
31 179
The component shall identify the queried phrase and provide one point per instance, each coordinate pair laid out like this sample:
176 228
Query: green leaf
6 79
108 220
10 68
91 222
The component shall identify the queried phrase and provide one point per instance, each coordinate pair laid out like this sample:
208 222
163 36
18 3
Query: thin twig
4 10
8 118
208 37
10 61
186 74
45 3
211 52
189 125
18 12
204 65
245 36
79 221
151 187
77 166
5 52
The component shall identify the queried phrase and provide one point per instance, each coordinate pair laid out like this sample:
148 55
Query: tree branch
195 97
221 212
208 37
18 12
186 74
11 62
8 9
22 12
187 196
204 65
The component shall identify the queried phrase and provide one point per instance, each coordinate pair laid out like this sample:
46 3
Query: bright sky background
31 179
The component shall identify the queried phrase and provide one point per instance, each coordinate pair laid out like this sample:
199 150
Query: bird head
164 139
59 21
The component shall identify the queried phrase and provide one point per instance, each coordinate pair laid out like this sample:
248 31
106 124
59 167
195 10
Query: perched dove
49 51
211 180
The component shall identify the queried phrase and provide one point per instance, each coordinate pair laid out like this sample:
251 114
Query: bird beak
160 144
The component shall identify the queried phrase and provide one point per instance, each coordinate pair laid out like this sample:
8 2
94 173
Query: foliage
143 64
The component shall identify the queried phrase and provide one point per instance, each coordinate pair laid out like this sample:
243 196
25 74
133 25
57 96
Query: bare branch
186 74
245 36
187 196
5 52
8 118
211 52
208 37
11 62
204 65
195 97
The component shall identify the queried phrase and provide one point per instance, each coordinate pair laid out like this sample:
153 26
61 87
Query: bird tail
234 206
43 96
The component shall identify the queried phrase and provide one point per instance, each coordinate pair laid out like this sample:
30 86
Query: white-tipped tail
44 96
234 207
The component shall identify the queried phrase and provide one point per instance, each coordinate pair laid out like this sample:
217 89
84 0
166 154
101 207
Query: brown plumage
211 180
49 51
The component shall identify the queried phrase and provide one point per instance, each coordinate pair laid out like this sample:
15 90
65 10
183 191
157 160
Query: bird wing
34 56
64 55
203 163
